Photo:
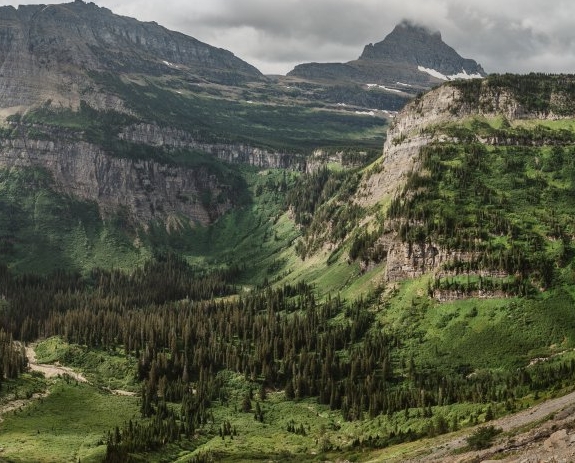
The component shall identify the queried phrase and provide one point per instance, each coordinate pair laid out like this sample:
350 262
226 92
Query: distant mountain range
48 51
411 55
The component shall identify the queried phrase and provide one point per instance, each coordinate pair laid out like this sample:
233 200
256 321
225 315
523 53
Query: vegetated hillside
120 138
480 173
442 295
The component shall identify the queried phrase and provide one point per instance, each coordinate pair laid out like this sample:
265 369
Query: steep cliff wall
153 135
421 123
405 137
147 189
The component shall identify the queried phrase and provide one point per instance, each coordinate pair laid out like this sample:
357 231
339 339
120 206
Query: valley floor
543 432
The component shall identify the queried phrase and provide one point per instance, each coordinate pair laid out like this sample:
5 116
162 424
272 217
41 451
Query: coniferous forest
283 310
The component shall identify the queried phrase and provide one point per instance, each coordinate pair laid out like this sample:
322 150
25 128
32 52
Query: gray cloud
504 36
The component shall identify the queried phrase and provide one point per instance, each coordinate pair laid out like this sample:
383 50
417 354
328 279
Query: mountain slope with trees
338 309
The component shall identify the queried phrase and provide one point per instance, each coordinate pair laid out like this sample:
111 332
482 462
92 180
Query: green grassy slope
506 206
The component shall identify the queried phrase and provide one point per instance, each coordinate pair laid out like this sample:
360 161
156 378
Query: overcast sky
275 35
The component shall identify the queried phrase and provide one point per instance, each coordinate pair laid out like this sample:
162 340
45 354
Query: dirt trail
18 403
49 370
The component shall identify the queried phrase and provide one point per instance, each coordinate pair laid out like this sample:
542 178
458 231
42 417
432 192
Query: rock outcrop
153 135
147 190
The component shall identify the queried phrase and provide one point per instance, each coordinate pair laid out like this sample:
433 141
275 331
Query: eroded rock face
405 138
412 130
146 189
152 135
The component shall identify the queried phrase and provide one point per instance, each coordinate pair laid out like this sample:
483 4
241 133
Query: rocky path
50 370
549 437
18 403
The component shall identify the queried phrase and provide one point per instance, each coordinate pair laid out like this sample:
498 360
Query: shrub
483 437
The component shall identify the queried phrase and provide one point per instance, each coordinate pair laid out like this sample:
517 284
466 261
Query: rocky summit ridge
48 51
410 56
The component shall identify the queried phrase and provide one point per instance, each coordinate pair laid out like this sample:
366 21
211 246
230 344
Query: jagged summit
405 39
411 54
417 45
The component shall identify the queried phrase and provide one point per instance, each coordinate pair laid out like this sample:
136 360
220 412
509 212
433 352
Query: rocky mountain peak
411 56
420 46
417 45
403 42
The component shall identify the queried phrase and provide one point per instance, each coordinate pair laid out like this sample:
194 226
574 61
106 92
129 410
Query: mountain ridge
47 50
411 55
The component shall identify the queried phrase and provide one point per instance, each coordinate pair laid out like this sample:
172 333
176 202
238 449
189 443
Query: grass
104 369
71 422
474 334
68 425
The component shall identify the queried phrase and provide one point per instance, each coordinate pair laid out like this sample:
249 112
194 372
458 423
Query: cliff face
152 135
405 138
146 189
58 57
421 123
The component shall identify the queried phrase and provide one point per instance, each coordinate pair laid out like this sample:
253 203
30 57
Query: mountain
122 135
359 314
47 51
275 268
410 56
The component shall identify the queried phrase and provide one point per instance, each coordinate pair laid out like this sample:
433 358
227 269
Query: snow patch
383 87
461 75
404 85
365 113
341 104
390 89
433 73
170 65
